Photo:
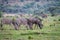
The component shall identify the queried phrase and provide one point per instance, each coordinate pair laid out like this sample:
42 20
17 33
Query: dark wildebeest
20 21
7 21
43 15
36 21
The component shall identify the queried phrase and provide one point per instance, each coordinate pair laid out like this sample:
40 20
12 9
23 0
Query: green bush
29 37
58 19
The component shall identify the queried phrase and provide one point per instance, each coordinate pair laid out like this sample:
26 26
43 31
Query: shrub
29 37
58 19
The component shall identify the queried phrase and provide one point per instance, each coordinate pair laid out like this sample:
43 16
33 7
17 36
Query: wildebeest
43 15
36 21
7 21
20 21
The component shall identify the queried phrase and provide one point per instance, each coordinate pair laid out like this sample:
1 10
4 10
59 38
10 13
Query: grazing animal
6 21
20 21
35 20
